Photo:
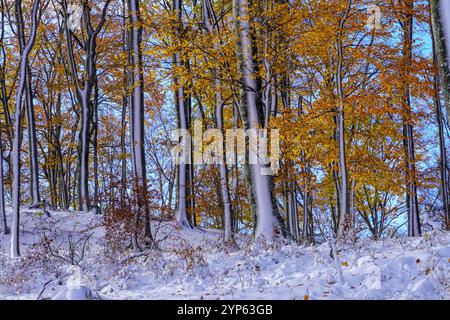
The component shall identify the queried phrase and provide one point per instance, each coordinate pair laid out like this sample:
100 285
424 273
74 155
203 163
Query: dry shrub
191 256
119 225
22 275
120 220
70 247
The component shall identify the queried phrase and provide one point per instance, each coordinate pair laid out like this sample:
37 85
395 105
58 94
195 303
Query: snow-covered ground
193 264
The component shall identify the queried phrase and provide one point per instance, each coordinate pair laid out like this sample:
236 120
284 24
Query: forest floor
67 256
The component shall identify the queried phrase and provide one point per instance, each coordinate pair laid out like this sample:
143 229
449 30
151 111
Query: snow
74 293
193 264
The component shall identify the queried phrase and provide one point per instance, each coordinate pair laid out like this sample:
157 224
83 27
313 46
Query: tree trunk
95 141
4 224
344 216
414 228
260 184
15 245
210 22
7 120
140 193
83 93
123 127
440 20
181 215
34 165
34 170
443 164
292 210
83 152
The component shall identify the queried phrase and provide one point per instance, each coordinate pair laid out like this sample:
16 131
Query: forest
175 139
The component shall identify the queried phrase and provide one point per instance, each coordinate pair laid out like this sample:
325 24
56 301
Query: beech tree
140 196
406 22
23 70
212 25
260 186
84 82
4 122
440 29
440 16
182 112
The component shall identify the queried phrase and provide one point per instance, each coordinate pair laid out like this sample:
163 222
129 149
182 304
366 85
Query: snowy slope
193 264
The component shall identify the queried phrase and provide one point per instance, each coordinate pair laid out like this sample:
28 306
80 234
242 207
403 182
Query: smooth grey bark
4 224
223 174
190 168
95 139
443 161
344 211
344 217
32 143
440 21
307 225
292 210
268 88
83 92
261 187
140 193
123 119
4 100
286 204
414 228
211 22
235 177
29 44
242 111
335 204
181 215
